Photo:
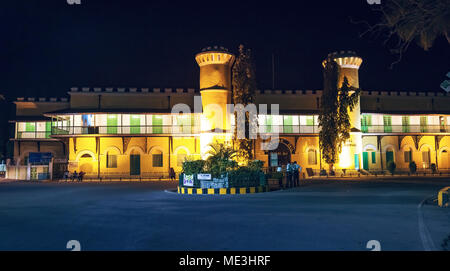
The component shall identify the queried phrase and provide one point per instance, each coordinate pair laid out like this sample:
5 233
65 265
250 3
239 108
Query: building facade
142 132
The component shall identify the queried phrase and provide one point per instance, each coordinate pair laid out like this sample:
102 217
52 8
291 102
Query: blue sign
40 157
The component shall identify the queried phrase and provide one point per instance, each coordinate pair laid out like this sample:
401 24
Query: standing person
289 172
296 174
299 173
172 174
80 176
280 177
74 176
66 175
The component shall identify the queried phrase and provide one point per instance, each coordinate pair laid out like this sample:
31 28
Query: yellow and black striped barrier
223 191
444 197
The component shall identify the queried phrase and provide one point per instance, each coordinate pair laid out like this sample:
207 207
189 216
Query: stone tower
215 86
349 64
215 89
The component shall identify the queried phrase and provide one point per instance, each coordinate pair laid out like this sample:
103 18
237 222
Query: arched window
111 160
407 155
426 157
181 156
157 159
86 155
312 157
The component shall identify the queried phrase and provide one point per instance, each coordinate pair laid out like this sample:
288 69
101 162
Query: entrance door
365 160
279 157
135 164
356 161
444 163
389 156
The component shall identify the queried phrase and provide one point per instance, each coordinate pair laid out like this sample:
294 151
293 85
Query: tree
328 117
219 161
421 21
244 88
334 119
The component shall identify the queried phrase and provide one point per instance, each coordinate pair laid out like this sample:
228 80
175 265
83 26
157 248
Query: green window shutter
310 120
387 121
30 127
157 122
405 124
268 124
389 156
185 122
48 129
287 124
374 157
111 123
366 122
157 160
135 124
423 124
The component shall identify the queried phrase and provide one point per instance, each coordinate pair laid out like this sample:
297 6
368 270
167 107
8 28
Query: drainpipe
98 158
436 150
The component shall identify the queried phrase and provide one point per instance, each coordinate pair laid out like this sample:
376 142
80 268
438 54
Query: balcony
126 130
289 129
401 129
33 135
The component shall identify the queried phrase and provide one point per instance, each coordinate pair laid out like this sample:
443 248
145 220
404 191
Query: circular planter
222 191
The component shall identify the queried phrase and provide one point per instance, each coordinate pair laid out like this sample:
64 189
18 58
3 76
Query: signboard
59 160
202 176
188 180
40 157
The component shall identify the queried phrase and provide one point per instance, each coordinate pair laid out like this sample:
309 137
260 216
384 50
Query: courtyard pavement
320 215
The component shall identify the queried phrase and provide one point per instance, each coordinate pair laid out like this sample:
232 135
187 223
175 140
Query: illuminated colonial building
134 132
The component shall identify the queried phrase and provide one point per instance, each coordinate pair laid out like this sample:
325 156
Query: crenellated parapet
131 90
345 59
214 55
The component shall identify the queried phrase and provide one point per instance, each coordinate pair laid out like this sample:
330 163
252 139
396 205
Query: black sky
48 46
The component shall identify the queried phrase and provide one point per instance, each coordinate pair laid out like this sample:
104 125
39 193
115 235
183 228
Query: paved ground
324 215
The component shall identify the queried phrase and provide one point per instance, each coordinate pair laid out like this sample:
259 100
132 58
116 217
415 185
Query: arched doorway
86 162
135 162
280 156
444 159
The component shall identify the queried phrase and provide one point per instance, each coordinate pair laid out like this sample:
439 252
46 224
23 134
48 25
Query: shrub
244 177
193 167
219 162
256 165
391 166
412 167
274 175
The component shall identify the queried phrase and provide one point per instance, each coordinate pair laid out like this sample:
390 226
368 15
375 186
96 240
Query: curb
223 191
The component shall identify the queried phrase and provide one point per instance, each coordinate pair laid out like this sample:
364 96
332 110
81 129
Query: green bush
193 167
391 166
220 163
274 175
412 167
256 165
220 160
244 177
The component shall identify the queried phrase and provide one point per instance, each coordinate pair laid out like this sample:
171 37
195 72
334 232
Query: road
322 215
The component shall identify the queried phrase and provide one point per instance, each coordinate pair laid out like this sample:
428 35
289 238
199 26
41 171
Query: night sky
49 46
